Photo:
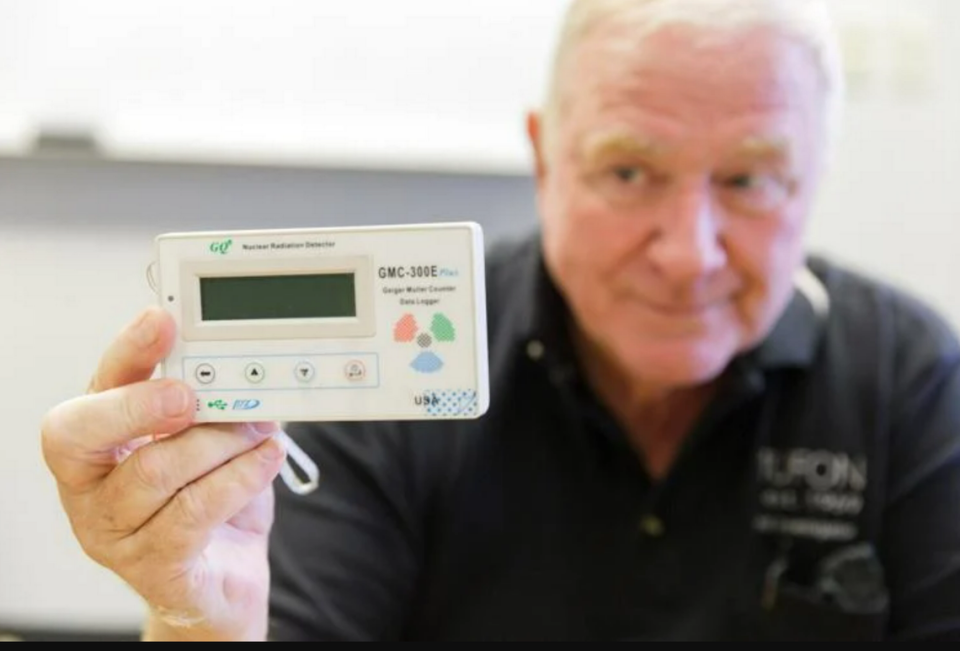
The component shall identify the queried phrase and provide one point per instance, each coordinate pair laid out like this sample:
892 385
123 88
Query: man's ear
535 135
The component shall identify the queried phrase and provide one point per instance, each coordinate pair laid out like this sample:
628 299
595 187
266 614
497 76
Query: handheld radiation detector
328 324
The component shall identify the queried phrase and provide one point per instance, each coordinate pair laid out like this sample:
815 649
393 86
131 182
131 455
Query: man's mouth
681 310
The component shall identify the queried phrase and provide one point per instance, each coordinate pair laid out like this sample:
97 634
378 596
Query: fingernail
263 428
174 401
272 450
145 331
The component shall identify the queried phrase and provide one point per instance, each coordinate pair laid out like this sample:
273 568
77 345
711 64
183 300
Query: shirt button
535 350
652 526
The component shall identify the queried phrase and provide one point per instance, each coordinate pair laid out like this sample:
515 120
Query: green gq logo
222 248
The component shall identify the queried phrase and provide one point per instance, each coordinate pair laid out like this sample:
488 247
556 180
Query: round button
535 350
255 373
355 371
205 374
304 372
652 526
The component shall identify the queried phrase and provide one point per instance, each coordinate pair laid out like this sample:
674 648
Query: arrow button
205 374
255 373
304 372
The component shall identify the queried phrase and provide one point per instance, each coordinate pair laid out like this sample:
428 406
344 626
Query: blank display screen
317 296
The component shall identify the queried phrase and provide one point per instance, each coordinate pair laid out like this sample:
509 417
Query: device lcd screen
316 296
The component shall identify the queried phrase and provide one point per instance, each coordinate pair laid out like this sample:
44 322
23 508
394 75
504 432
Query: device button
355 371
205 374
255 373
304 372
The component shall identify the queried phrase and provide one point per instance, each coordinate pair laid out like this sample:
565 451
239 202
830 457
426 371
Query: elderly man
696 429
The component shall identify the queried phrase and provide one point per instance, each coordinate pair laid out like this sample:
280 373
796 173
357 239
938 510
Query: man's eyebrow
768 148
619 144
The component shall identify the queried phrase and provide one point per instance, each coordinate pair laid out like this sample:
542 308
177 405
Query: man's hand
180 512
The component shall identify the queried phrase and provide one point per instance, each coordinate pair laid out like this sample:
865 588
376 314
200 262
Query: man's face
675 200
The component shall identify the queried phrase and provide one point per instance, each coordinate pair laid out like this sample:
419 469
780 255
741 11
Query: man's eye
761 191
628 174
744 182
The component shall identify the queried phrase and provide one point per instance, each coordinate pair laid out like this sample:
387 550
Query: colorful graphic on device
441 330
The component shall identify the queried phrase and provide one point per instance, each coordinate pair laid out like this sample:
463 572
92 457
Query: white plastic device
328 324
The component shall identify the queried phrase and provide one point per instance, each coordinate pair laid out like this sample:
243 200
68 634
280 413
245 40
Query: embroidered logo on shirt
816 494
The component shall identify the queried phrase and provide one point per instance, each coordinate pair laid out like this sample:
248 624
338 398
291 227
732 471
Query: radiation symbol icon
408 331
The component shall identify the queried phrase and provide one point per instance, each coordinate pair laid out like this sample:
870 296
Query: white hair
809 21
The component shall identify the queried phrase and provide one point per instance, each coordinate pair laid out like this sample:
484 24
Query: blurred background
121 119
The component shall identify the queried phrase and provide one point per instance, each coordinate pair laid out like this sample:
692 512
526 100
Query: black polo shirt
817 497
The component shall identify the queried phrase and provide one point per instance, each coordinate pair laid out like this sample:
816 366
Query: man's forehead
766 79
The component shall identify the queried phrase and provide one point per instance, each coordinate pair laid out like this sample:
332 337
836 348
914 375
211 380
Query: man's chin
677 365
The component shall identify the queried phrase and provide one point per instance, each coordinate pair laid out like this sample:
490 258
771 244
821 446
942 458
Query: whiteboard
417 83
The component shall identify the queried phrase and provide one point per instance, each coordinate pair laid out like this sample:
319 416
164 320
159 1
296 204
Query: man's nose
688 243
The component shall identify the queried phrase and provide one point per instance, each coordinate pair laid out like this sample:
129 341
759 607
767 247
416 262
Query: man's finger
154 474
183 527
256 517
135 353
83 438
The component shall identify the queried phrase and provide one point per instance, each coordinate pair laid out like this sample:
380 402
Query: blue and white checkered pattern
454 403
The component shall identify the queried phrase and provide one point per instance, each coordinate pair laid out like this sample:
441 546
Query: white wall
411 83
418 83
64 297
891 205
